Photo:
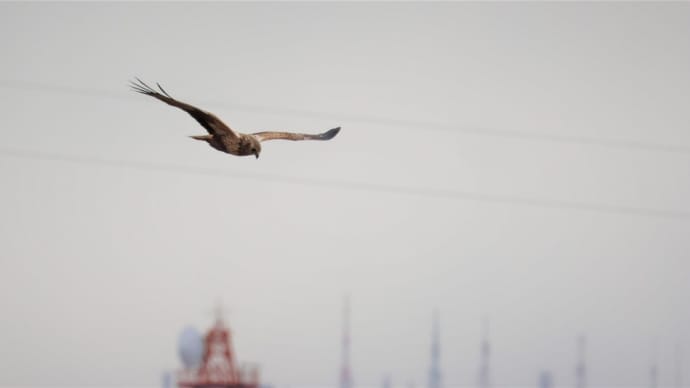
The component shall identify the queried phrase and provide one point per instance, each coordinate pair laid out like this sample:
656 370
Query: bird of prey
222 137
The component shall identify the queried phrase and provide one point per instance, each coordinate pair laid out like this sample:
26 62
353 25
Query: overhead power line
389 122
349 185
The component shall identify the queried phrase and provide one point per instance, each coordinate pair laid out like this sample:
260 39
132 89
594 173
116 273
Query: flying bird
222 137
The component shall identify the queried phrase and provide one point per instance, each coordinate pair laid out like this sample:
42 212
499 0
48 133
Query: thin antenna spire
387 382
653 368
679 366
345 372
581 367
653 376
545 379
435 367
484 369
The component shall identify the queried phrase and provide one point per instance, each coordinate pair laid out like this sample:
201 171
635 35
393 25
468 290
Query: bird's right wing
272 135
207 120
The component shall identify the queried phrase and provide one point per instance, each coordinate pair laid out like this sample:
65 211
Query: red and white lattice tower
218 367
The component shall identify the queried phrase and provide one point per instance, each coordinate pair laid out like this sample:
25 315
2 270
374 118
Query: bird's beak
257 156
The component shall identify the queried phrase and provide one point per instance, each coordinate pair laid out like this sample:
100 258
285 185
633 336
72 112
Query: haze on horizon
529 162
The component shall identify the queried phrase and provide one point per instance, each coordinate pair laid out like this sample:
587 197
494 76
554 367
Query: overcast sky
525 161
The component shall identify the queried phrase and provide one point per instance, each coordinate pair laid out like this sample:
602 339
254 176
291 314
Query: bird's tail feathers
202 137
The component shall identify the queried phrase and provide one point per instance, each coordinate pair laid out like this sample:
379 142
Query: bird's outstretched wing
207 120
328 135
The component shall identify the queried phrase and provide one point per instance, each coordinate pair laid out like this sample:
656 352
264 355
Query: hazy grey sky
102 266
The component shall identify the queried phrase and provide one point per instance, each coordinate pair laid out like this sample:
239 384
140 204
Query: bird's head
255 147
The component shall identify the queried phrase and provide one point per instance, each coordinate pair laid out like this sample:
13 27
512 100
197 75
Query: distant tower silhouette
545 380
345 372
435 368
653 376
679 366
484 370
581 368
167 379
653 370
387 382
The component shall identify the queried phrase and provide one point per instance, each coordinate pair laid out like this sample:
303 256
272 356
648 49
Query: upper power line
351 185
399 123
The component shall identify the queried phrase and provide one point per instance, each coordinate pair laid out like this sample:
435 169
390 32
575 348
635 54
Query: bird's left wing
328 135
213 124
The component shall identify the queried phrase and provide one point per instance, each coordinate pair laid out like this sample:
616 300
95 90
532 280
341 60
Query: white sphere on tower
191 347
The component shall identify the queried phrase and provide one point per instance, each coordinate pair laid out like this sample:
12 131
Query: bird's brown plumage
263 136
221 136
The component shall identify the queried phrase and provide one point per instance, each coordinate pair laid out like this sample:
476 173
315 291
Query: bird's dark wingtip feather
136 88
163 90
141 86
330 133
